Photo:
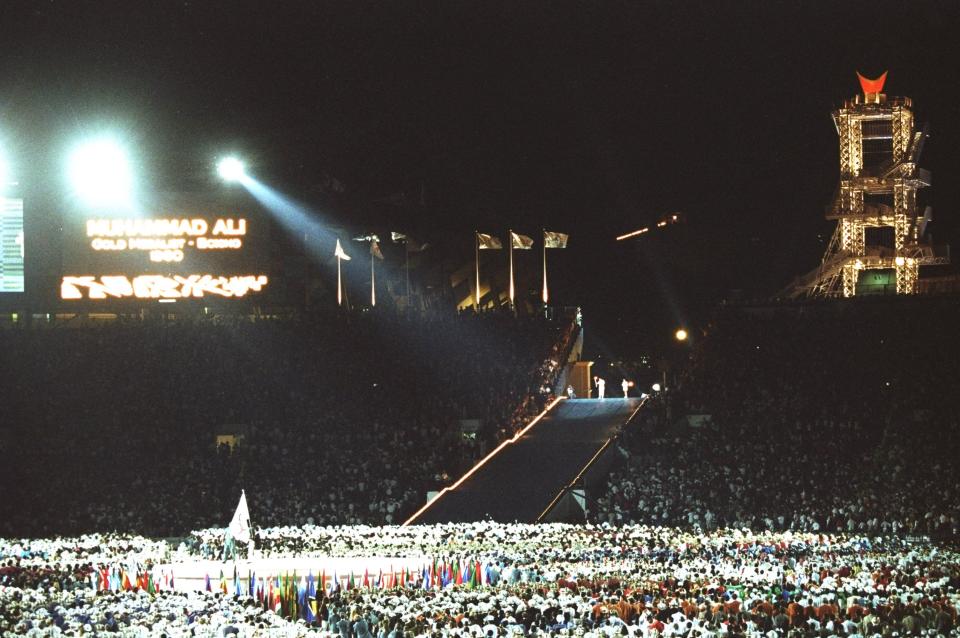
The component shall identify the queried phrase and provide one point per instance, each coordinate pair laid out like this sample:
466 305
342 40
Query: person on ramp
601 385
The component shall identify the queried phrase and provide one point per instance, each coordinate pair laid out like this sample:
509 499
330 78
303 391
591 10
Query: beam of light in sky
297 218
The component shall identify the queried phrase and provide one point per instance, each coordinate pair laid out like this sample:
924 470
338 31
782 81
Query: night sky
592 118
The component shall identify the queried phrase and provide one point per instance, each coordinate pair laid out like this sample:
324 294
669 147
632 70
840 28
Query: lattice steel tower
878 226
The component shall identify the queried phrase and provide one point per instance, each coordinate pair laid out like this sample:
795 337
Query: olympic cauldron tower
875 206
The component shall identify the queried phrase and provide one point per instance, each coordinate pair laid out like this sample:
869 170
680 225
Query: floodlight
680 334
100 173
231 169
655 387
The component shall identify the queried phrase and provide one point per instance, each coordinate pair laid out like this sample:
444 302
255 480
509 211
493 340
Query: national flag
339 252
375 249
520 242
426 578
366 579
240 524
206 583
223 582
555 240
151 586
172 586
125 581
323 581
251 584
396 237
351 584
105 579
488 242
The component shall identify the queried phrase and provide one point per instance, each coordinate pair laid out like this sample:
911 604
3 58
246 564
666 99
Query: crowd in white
538 580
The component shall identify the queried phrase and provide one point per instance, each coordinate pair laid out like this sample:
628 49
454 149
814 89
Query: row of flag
551 239
116 579
411 245
484 241
522 242
296 597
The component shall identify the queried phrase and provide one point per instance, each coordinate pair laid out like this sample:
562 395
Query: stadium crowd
551 580
814 418
345 419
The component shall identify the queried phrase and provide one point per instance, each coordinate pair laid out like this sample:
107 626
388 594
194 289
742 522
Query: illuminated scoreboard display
188 257
11 245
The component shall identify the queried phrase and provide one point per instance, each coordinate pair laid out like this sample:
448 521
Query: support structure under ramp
520 480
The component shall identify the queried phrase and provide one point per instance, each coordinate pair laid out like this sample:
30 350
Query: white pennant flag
339 252
240 525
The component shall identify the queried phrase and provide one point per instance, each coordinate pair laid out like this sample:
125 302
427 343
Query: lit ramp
519 480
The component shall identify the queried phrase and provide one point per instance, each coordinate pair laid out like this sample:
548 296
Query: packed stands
344 419
822 417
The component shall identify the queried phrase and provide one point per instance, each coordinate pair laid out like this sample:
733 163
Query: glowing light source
680 334
100 173
231 169
655 387
900 261
633 234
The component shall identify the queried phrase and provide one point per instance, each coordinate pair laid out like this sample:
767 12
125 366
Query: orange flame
872 86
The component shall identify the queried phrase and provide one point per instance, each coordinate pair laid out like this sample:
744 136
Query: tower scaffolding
879 146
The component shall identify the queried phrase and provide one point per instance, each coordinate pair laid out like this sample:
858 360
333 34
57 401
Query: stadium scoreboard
11 245
162 258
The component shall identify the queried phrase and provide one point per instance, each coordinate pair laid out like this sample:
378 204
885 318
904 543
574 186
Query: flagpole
373 280
476 291
546 295
406 251
339 284
510 239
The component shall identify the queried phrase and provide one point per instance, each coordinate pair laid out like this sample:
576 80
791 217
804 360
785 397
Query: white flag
339 252
488 242
521 242
555 240
240 525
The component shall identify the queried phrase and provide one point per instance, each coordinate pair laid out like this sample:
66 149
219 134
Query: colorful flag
339 252
521 242
375 249
396 237
555 240
206 583
488 242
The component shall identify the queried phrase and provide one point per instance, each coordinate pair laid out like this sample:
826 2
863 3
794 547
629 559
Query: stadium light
655 387
680 334
231 169
100 173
